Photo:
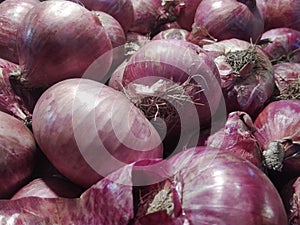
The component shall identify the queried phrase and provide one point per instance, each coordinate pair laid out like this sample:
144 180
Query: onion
134 42
246 75
237 137
12 13
280 13
173 33
149 16
287 80
291 199
208 186
13 99
121 10
278 134
53 30
115 131
49 187
17 154
283 44
221 20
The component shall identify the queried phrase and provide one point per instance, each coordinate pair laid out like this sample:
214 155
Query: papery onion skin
220 188
49 187
280 13
283 45
13 100
173 33
237 137
121 10
291 198
18 151
12 13
222 20
73 106
249 88
287 80
64 46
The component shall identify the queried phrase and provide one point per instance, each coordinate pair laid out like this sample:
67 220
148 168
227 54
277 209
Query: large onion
12 13
227 19
54 44
246 74
280 13
17 152
92 127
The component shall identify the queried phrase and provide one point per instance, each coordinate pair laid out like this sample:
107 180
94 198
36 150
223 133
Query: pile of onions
287 80
121 10
278 134
12 13
283 45
61 43
237 137
17 150
49 187
247 77
82 122
280 13
12 98
221 20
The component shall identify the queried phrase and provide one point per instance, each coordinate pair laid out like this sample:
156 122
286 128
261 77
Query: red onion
149 15
115 131
246 75
115 80
49 187
221 20
17 154
13 100
116 35
287 80
237 137
174 33
12 13
283 44
49 39
280 13
134 42
291 199
121 10
278 133
212 187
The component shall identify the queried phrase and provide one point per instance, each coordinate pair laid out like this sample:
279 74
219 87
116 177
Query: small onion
278 134
283 44
64 46
247 76
49 187
280 13
82 122
12 13
237 137
287 80
18 151
221 20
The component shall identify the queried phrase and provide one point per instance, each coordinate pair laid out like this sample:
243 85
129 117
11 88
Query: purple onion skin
291 198
49 187
187 13
18 151
121 10
13 99
280 13
222 20
249 89
237 137
73 106
173 33
221 188
12 13
283 46
285 74
64 46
